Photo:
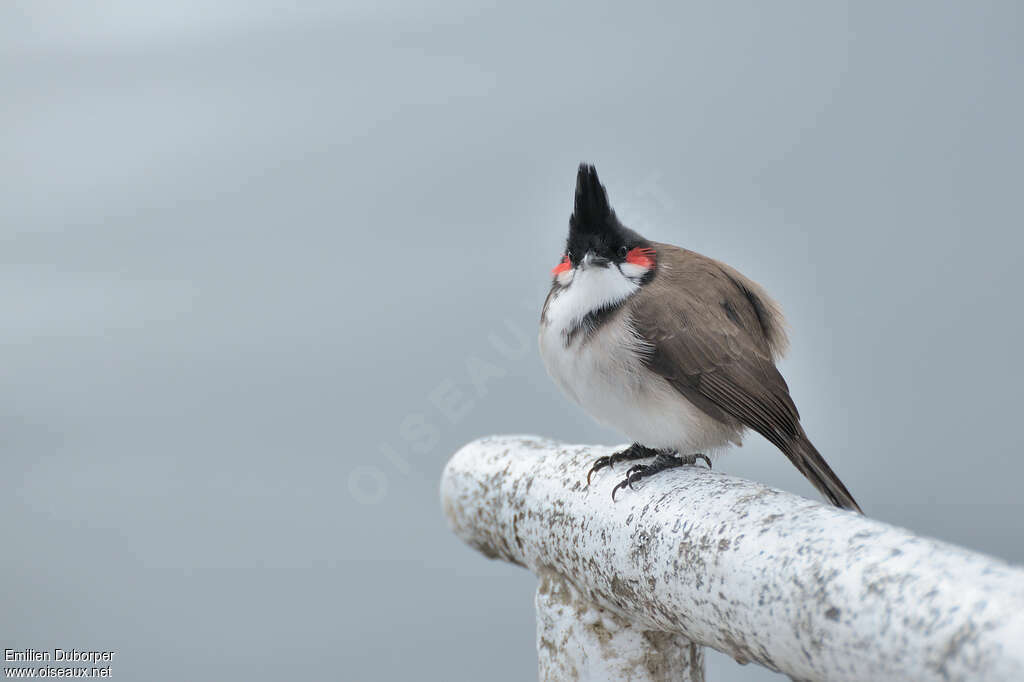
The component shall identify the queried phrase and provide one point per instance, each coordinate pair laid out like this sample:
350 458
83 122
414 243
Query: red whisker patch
644 257
562 267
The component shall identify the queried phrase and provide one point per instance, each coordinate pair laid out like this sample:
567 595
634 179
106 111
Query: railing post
812 591
578 640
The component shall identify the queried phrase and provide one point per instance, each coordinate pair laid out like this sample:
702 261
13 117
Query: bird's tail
813 466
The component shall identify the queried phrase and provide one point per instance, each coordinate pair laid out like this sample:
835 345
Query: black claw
635 473
634 451
661 463
618 487
599 464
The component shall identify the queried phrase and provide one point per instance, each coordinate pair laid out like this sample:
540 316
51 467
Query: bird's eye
622 252
571 255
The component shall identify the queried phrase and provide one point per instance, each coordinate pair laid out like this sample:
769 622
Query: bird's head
598 240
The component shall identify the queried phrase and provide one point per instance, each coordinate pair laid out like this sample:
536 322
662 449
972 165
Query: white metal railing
692 558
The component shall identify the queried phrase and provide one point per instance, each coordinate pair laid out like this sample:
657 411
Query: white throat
585 290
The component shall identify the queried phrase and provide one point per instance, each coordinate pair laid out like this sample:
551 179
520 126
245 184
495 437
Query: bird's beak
593 260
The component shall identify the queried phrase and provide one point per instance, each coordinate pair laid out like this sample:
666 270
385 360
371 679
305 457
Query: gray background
244 245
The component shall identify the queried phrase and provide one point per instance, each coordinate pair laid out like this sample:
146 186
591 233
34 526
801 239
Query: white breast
604 372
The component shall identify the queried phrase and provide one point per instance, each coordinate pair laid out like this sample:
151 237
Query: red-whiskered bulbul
672 348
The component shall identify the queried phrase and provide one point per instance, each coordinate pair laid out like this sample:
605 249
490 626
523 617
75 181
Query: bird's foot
661 463
634 451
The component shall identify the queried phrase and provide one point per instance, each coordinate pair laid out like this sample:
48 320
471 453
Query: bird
670 347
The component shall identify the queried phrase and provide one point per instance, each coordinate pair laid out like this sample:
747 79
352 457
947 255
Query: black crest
591 212
594 225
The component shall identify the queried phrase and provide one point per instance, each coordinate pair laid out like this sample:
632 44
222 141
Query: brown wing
709 340
714 335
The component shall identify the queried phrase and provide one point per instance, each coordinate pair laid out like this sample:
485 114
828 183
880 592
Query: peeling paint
578 640
762 575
